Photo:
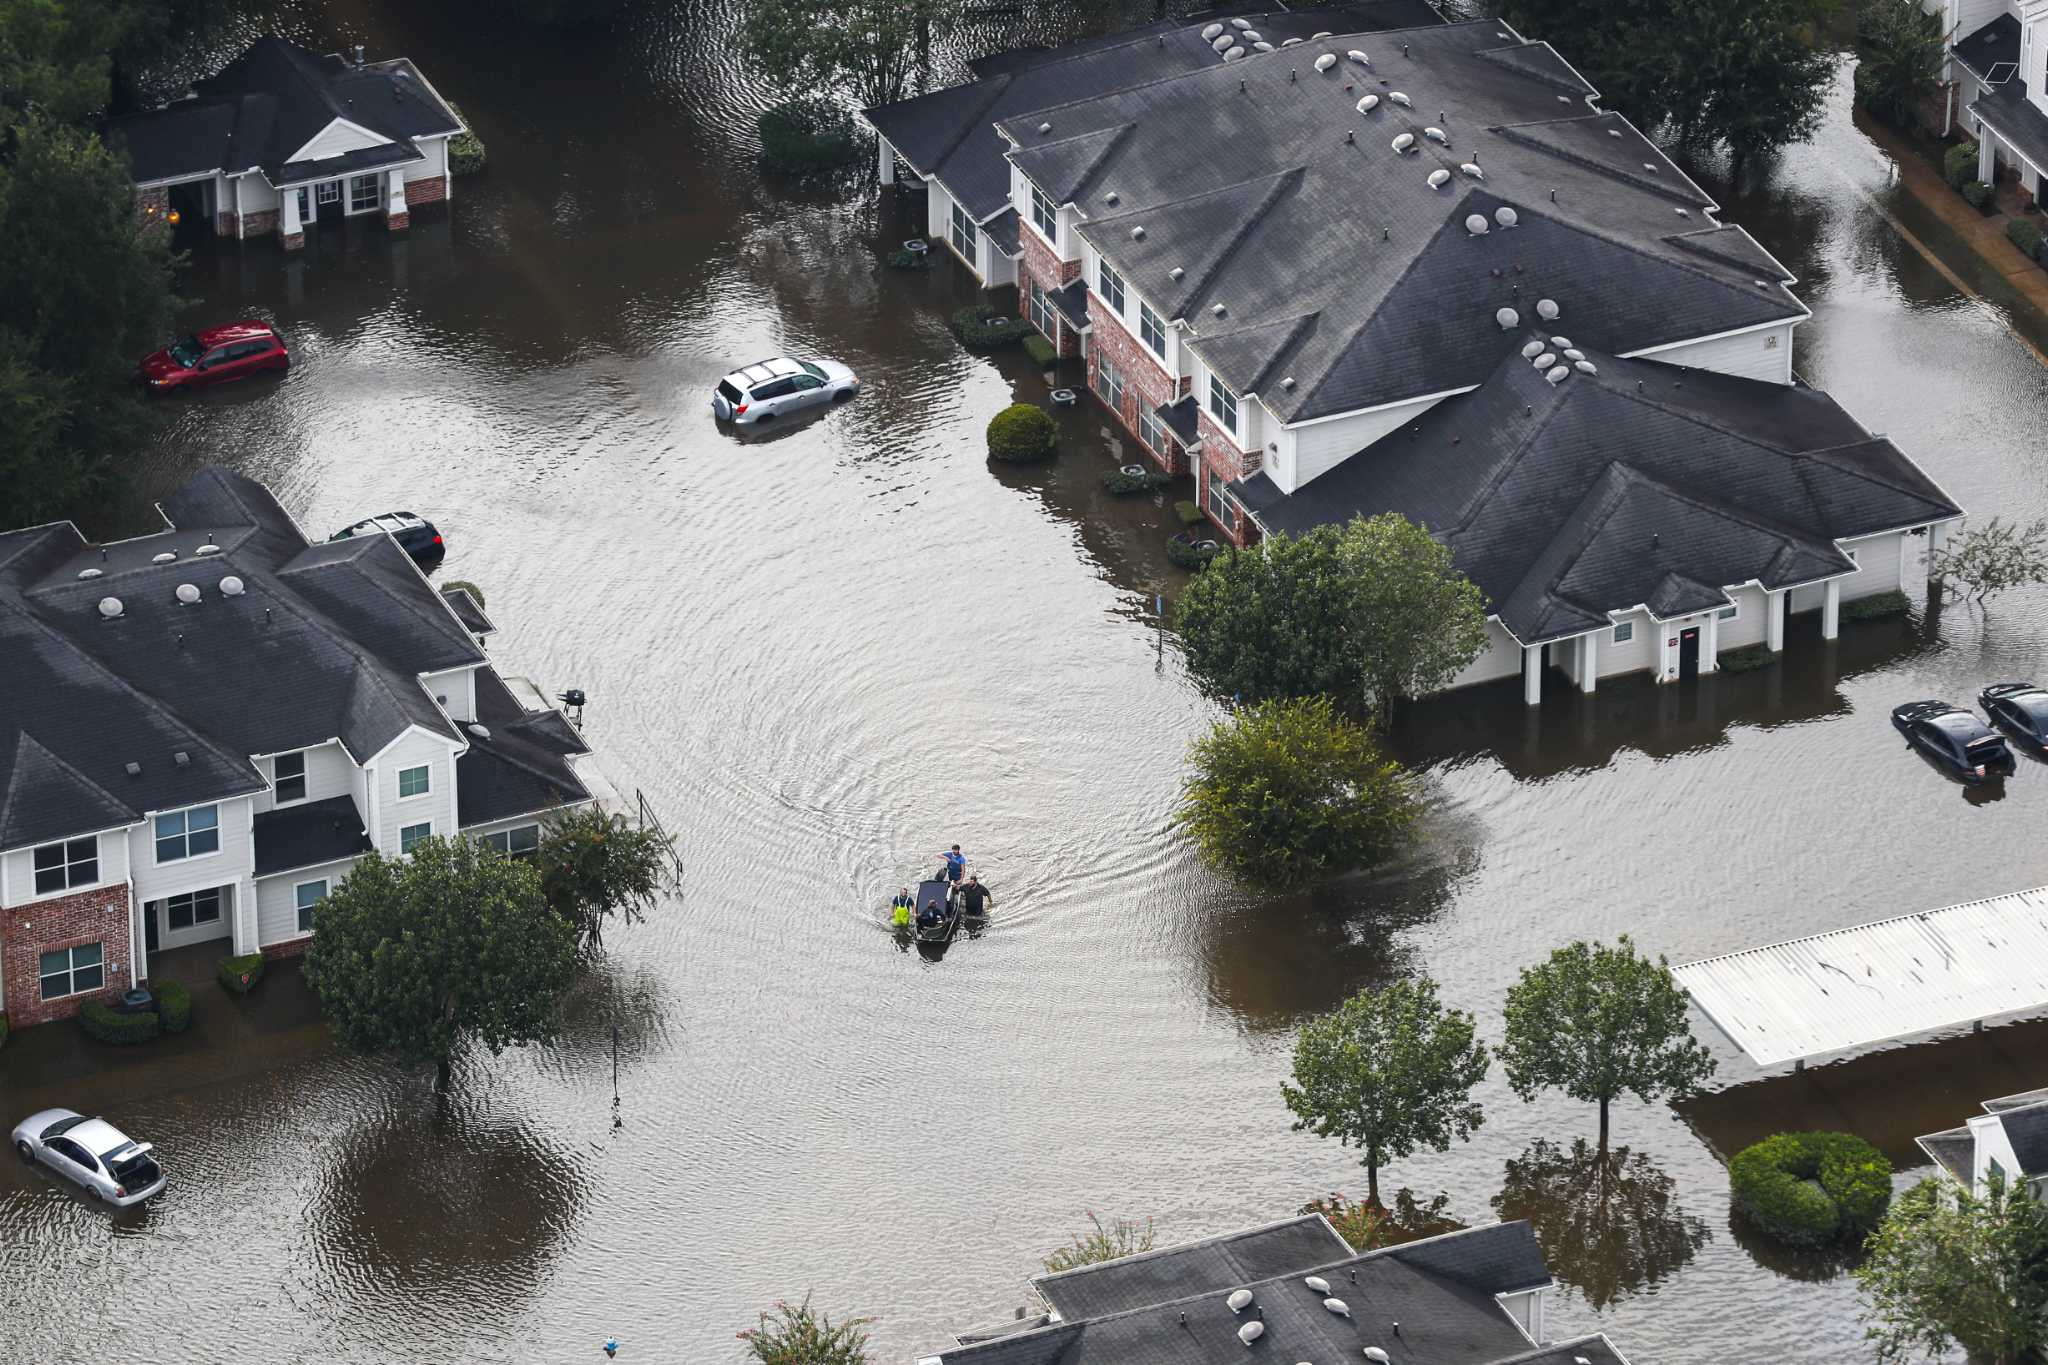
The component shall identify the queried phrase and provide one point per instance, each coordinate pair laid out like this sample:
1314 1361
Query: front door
148 939
1689 653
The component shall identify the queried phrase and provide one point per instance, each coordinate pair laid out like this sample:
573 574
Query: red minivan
217 355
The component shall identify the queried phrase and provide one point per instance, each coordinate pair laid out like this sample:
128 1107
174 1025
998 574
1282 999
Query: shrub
1190 551
1039 349
1978 194
2024 235
174 1006
101 1021
472 589
1959 164
804 1336
982 328
806 135
1189 514
465 150
1116 481
240 974
1746 659
903 258
1368 1226
1120 1239
1875 608
1811 1189
1022 433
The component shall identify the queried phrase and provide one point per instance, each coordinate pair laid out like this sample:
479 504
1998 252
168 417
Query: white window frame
70 971
376 179
1109 384
501 840
1041 205
65 862
1624 632
427 790
962 232
156 838
326 192
306 908
1151 431
191 899
1150 321
1222 506
1731 612
403 830
1110 286
1223 405
278 778
1041 309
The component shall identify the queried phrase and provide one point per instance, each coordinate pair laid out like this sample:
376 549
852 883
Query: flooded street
824 656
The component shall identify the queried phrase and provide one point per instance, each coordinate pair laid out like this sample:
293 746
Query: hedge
1116 481
903 258
240 974
1875 608
1185 552
1771 1184
1746 659
1021 433
2023 234
1039 349
472 589
1189 514
982 328
174 1006
1959 164
99 1020
807 135
1978 193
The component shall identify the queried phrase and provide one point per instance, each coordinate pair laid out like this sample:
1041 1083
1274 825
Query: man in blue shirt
956 864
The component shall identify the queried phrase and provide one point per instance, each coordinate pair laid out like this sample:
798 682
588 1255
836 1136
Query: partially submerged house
202 729
1294 1290
2009 1141
1397 271
1998 64
283 138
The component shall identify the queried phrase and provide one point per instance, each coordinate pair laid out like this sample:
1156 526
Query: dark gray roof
1641 484
950 134
324 642
1224 1262
468 610
2027 1131
520 766
1996 42
1593 1350
307 834
1070 301
1182 417
1954 1150
274 99
1002 233
2017 120
1335 262
402 153
2024 1100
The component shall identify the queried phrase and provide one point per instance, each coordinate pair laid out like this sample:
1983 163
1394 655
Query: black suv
415 535
1954 740
2021 710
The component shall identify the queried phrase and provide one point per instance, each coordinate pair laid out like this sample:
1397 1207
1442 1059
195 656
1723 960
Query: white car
110 1166
769 389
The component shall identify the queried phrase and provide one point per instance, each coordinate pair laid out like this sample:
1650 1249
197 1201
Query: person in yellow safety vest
902 906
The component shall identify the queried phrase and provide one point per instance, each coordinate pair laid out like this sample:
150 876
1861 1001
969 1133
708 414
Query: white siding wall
277 906
1992 1144
436 152
234 862
17 870
938 208
1880 564
329 772
1502 658
337 138
436 807
458 686
1316 448
1639 653
1763 354
1001 269
1751 622
257 196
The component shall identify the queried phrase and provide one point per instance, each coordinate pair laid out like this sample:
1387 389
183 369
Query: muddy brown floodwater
828 655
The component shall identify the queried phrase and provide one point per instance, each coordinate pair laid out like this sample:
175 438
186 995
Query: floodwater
824 657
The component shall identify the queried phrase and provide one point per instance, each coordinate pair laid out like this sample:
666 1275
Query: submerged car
414 533
1954 740
775 388
2021 710
105 1162
217 355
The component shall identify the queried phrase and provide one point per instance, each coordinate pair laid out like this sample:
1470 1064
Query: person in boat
902 906
933 915
976 897
956 863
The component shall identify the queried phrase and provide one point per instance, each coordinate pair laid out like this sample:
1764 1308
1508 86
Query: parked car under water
780 387
2021 711
1955 741
414 533
218 355
104 1162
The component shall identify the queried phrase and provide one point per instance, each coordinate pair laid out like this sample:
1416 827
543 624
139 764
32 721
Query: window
1044 216
1110 285
188 834
327 192
1151 431
1041 310
1222 405
60 867
364 192
414 781
962 233
1728 613
289 771
307 895
72 971
1221 505
515 843
193 908
775 388
1109 384
413 834
1624 631
1150 330
1997 1172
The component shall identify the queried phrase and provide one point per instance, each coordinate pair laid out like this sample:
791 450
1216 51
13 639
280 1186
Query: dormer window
289 778
1044 216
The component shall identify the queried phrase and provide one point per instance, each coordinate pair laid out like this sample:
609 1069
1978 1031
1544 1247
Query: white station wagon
775 388
93 1154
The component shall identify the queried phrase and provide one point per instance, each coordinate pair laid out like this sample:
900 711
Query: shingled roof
1639 484
1335 262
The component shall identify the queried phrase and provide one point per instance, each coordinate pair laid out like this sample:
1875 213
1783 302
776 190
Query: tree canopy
1948 1270
1989 559
1390 1071
1599 1022
801 1335
414 957
1899 53
1287 792
596 866
863 48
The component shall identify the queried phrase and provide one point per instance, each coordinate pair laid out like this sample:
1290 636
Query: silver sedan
769 389
93 1154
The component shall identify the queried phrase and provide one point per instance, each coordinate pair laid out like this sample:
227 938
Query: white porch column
1532 674
888 159
1831 610
288 212
1987 155
1937 540
245 917
394 198
1589 660
1774 631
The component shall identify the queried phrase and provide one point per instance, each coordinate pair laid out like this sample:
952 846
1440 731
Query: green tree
866 49
1899 53
1991 558
1597 1022
1948 1270
596 866
1287 792
804 1336
55 58
416 956
1388 1072
86 289
1124 1237
1415 620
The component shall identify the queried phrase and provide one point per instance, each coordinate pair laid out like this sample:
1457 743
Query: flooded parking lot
825 656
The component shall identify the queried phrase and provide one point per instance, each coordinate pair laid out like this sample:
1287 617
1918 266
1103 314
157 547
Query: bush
1120 1239
99 1020
1191 550
1039 349
1959 164
240 974
465 150
1022 433
174 1006
472 589
1876 608
1189 514
2024 235
903 258
1811 1189
982 328
807 135
1746 659
1979 194
1116 481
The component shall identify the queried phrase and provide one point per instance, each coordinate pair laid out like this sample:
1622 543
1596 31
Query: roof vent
1471 168
182 759
1476 224
1175 273
1217 310
1355 55
1435 134
1683 213
1045 127
1111 198
1368 104
1138 233
188 593
208 550
165 558
231 586
1288 382
1547 309
1211 31
1545 360
1439 178
110 607
1400 99
1240 23
1225 40
1506 216
1531 349
1558 375
89 573
1326 61
1584 367
1251 1332
1404 142
1508 319
132 769
1233 54
480 731
1239 1300
1650 166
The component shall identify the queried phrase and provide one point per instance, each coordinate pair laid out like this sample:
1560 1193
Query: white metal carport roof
1852 987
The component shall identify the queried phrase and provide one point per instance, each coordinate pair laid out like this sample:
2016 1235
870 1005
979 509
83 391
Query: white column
888 166
288 212
245 917
1987 155
1710 643
1532 674
1589 660
1831 610
1937 540
1774 632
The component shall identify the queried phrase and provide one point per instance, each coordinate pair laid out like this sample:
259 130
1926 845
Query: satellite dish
1326 61
1251 1332
110 607
1223 41
208 550
1251 35
1404 142
1558 375
1239 1300
1471 168
1439 178
1399 98
188 593
1569 353
1531 350
1338 1306
1376 1355
231 586
1547 309
1508 319
1560 342
166 557
1584 367
1210 32
1544 361
1262 47
1233 54
1368 104
1437 135
88 573
1477 225
1506 216
1317 1283
480 731
1355 55
1240 23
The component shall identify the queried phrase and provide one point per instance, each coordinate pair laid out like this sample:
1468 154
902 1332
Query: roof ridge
1662 189
370 545
968 125
24 739
1825 455
1689 242
1676 263
1276 184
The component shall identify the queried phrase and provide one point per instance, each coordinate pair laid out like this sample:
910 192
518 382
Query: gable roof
1606 226
1641 484
1212 1263
2027 1130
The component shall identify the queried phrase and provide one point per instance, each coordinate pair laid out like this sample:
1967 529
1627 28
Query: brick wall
1147 385
1051 272
256 224
428 191
291 947
397 222
28 931
152 204
1216 460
